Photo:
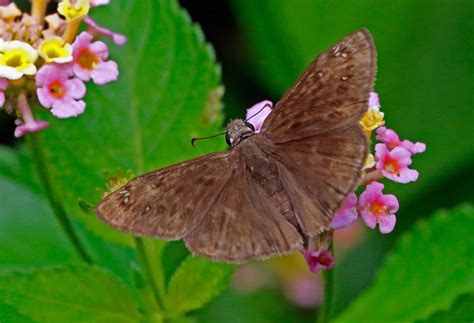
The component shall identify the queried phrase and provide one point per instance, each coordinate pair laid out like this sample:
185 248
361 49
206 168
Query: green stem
37 155
326 307
146 264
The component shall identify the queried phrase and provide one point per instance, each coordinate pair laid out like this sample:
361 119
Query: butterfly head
237 130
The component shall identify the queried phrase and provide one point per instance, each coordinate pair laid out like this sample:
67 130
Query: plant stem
326 307
147 267
37 155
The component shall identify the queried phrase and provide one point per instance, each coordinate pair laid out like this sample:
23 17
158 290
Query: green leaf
29 234
424 66
10 314
70 294
195 283
460 312
168 91
431 266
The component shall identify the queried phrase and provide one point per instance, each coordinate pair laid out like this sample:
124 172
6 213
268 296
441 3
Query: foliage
169 91
431 266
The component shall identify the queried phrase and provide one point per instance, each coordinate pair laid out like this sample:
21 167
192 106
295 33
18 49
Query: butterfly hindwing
319 172
333 93
169 202
244 222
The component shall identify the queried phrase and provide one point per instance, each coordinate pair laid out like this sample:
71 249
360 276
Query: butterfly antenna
201 138
266 105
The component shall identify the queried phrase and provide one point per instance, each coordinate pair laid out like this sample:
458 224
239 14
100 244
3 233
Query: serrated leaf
167 93
30 235
195 283
431 266
461 312
70 294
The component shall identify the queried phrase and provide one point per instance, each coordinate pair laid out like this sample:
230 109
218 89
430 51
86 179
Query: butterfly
272 189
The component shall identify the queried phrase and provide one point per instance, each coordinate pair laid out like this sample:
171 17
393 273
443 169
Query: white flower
17 59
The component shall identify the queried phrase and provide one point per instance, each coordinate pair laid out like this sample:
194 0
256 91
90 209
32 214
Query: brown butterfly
272 189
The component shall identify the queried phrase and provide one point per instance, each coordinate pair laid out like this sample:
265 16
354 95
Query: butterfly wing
315 133
319 172
333 93
170 202
243 223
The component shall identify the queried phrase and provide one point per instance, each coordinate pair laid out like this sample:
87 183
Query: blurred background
425 83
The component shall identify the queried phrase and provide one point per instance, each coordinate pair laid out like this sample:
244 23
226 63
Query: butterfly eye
227 139
248 124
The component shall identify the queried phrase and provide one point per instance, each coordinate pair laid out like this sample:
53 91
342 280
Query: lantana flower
390 138
369 162
373 118
96 3
27 123
377 208
56 80
60 91
257 114
394 163
55 50
17 59
9 12
96 30
89 60
318 259
347 214
73 10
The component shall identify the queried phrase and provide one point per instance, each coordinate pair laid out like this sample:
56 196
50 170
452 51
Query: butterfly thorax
238 130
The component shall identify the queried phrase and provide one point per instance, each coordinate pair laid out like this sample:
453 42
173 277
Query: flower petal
105 72
347 214
256 116
68 108
387 223
100 49
369 218
75 88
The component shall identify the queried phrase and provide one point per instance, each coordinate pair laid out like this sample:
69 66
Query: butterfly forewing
169 202
333 93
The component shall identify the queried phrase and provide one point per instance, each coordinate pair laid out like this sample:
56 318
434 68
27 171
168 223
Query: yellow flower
74 11
372 119
55 50
16 59
369 162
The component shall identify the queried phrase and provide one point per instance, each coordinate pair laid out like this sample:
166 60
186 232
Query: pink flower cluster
60 87
42 58
391 160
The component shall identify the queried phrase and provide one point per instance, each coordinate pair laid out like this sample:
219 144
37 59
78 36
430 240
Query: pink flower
89 60
60 91
96 3
346 214
96 30
319 259
375 207
374 101
3 87
257 114
390 138
28 124
394 164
